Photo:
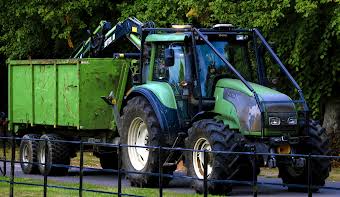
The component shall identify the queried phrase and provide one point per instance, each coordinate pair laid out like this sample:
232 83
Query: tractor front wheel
316 144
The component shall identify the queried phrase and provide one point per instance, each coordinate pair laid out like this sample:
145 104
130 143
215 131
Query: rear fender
162 105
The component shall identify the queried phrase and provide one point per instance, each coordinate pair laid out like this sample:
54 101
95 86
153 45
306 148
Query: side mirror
169 57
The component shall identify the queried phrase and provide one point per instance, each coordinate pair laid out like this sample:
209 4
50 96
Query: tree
48 29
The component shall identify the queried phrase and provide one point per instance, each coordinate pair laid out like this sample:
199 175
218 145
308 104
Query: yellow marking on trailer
134 29
121 55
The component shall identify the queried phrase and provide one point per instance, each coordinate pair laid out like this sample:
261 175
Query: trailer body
65 92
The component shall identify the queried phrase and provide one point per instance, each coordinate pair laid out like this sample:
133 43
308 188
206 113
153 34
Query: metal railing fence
9 143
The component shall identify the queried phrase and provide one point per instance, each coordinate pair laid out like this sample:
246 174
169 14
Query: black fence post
119 151
81 168
160 170
205 173
11 192
253 160
4 141
45 167
310 194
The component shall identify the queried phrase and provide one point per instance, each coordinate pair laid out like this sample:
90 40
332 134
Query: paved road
180 185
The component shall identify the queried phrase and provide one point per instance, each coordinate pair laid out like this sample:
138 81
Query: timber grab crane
105 35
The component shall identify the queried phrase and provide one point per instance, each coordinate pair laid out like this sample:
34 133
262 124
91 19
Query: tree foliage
48 28
307 32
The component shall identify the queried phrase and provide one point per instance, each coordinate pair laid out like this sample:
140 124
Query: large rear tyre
210 135
317 144
28 153
57 158
140 127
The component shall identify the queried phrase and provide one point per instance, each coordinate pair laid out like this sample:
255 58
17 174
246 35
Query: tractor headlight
274 121
292 121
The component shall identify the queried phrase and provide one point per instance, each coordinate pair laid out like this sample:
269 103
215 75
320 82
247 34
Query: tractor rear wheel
316 144
213 136
57 159
140 127
28 153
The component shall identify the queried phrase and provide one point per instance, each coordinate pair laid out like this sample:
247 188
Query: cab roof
167 37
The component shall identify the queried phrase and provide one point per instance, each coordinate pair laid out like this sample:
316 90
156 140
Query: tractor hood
265 94
248 112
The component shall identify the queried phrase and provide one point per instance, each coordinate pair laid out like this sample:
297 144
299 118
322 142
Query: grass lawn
33 191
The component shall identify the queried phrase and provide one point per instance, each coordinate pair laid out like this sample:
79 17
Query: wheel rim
42 155
138 136
198 157
25 155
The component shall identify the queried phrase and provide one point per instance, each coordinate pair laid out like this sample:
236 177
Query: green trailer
64 93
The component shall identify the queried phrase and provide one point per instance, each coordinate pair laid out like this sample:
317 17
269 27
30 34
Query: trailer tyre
211 135
28 153
58 153
316 144
140 127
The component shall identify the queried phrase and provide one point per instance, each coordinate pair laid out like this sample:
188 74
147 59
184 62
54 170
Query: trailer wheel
212 136
140 127
108 161
58 153
316 144
28 153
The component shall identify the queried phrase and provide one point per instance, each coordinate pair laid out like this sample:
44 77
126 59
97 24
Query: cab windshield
239 54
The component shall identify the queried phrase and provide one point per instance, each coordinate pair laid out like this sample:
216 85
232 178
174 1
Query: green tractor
222 89
209 89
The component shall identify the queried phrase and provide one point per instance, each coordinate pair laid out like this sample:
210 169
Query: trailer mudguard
162 100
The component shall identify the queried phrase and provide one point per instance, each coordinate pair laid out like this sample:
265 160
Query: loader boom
104 36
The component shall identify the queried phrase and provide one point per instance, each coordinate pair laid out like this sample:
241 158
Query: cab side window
173 74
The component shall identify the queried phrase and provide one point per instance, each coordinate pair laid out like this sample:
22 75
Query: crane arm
105 36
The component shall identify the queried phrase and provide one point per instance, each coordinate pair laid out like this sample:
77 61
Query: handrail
252 154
